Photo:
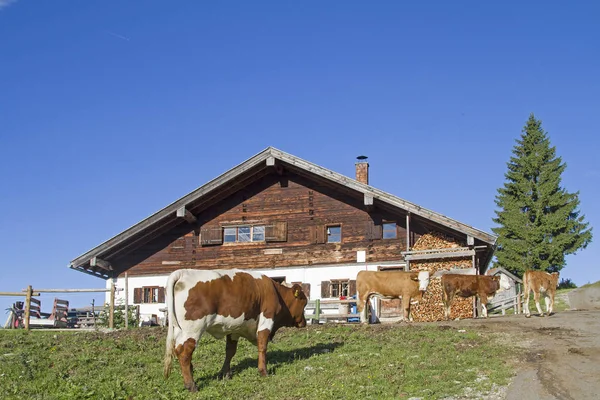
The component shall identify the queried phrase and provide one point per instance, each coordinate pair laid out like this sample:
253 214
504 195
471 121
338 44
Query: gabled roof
497 270
97 260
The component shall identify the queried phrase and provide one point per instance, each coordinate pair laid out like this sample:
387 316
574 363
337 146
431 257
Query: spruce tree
539 222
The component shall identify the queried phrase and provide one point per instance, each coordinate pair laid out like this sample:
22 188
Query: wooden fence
58 307
340 310
513 302
331 310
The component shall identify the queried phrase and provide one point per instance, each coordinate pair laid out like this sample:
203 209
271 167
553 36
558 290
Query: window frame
248 234
337 288
328 235
383 230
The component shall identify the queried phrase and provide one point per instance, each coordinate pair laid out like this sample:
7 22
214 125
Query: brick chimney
362 170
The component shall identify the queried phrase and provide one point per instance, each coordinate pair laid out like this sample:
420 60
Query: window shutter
161 294
276 232
320 234
306 289
211 235
137 295
369 227
325 289
377 231
352 288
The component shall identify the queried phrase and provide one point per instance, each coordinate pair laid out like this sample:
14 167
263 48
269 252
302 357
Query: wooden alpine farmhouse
293 221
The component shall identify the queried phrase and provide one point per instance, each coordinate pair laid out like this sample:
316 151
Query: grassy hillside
319 362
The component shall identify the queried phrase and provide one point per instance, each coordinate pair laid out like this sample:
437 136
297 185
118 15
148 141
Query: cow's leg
230 349
549 303
447 299
483 301
406 308
536 297
363 308
184 353
526 293
261 341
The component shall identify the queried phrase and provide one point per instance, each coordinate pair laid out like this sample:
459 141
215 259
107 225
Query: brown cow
540 282
230 303
390 285
482 286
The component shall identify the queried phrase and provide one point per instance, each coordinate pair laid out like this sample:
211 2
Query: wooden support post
408 239
27 306
317 309
111 315
126 302
519 306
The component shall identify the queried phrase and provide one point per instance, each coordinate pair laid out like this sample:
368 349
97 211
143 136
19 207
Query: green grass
594 284
319 362
559 303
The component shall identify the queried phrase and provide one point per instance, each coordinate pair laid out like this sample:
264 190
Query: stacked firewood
431 308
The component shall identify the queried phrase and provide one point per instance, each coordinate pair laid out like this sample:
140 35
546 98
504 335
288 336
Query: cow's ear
414 277
297 290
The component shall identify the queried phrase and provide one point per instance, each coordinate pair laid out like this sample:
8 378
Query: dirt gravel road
559 355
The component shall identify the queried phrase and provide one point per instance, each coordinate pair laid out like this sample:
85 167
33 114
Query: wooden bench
60 312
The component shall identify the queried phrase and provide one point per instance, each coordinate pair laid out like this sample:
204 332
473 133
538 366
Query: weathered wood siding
305 207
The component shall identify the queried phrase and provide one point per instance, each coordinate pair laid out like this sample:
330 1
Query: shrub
119 316
566 284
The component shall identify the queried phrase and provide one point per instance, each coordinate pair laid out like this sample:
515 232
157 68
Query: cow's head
423 278
295 301
504 282
555 276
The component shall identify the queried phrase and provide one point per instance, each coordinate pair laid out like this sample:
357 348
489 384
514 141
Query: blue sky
111 110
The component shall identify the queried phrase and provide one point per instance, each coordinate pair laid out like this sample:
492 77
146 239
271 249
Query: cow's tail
172 318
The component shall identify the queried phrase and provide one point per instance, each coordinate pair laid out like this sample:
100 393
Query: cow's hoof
222 375
543 315
527 315
192 387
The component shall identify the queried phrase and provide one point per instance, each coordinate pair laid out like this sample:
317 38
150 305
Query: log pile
431 308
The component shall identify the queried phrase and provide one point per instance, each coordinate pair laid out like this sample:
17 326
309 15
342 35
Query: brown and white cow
482 286
390 285
231 303
540 282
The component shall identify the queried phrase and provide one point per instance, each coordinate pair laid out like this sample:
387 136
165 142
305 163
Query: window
243 234
149 295
258 234
338 288
334 234
229 235
389 230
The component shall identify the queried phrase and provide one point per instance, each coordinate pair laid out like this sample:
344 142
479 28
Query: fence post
318 309
111 311
519 307
27 306
126 302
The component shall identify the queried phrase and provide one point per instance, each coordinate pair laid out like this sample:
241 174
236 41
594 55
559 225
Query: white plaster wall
306 274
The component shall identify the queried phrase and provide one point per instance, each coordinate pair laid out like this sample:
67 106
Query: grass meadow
318 362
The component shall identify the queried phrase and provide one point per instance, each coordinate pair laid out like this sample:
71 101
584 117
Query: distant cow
390 285
230 303
540 282
482 286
